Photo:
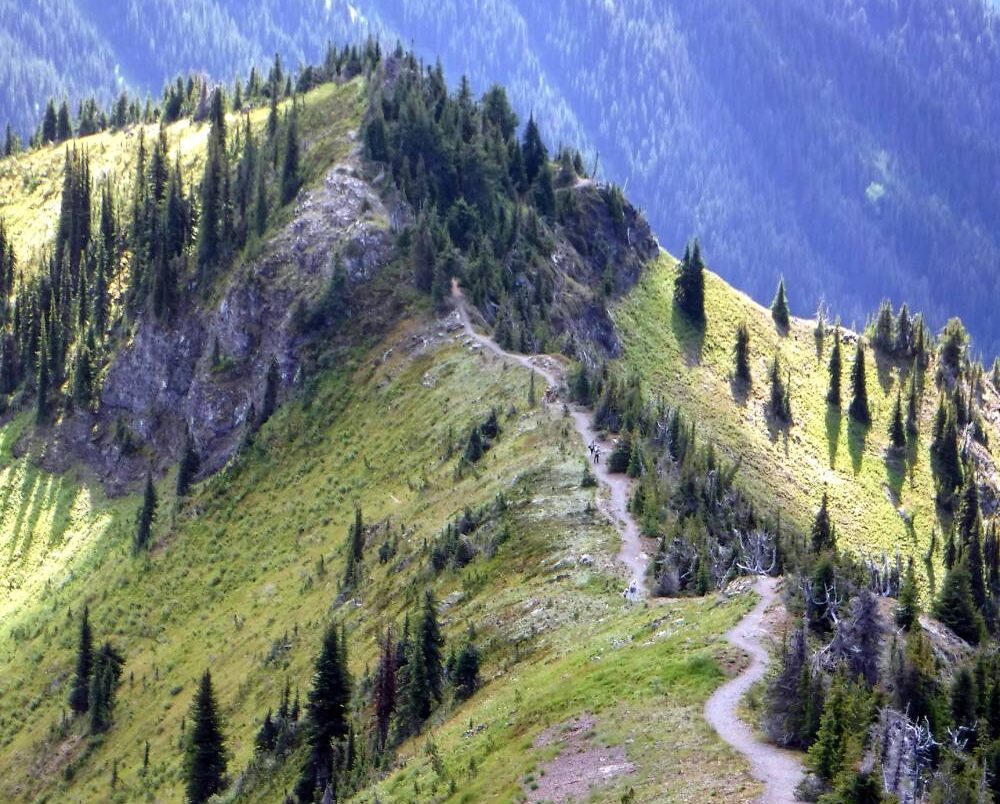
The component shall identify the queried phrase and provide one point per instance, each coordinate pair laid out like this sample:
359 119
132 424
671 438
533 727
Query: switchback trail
778 769
631 554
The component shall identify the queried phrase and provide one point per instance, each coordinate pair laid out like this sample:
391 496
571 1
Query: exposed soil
778 769
579 766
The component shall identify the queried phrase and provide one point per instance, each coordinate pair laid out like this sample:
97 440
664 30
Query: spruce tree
355 551
145 517
385 692
741 353
188 466
467 671
205 754
836 368
858 409
908 605
429 636
534 152
897 430
779 307
291 179
79 694
955 606
689 286
326 715
272 384
779 405
105 678
42 381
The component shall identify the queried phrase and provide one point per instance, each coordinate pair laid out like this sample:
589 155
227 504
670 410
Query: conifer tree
188 466
291 178
534 151
212 190
955 606
845 721
779 307
144 517
467 671
79 694
741 353
49 123
897 430
64 125
205 754
836 368
42 382
908 605
545 196
355 551
385 691
780 404
272 383
326 716
429 636
105 678
858 409
689 286
968 525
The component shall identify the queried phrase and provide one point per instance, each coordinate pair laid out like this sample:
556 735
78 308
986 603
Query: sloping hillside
882 503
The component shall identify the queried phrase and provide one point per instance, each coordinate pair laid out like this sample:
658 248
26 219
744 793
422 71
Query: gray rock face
166 379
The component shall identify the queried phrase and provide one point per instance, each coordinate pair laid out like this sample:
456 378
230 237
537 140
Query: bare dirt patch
580 765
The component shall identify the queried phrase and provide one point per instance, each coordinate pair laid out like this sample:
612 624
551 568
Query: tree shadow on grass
895 472
778 429
883 368
740 391
857 435
833 426
690 336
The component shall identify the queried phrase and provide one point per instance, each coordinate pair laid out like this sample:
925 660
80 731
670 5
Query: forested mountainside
853 143
298 377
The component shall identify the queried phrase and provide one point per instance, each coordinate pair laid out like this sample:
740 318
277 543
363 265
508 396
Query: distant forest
849 145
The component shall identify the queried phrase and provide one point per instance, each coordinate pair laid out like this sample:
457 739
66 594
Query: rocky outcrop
606 244
205 370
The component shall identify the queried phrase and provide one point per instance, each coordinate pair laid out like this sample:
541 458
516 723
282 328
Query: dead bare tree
758 553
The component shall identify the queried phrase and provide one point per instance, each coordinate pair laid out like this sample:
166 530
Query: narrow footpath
779 770
614 505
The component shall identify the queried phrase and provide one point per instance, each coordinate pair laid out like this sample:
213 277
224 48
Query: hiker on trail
597 454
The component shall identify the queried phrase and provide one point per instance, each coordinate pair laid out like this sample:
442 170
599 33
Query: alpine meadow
499 403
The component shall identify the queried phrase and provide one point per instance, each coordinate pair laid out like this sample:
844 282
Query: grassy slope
786 472
31 182
237 568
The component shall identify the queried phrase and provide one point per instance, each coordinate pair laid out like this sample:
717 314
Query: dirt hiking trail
619 487
778 769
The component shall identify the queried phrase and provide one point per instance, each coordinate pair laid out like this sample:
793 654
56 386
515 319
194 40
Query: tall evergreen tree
779 307
205 755
291 178
145 517
913 404
79 694
430 638
188 466
955 606
858 409
385 691
780 403
689 286
836 369
355 551
908 605
534 151
741 354
326 716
